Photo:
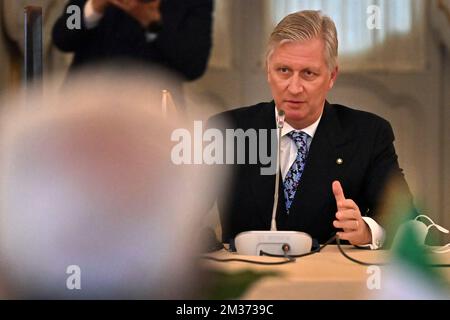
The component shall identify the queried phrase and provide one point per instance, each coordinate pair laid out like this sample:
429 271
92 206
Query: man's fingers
347 204
347 225
349 236
155 4
118 4
357 232
125 5
348 214
338 191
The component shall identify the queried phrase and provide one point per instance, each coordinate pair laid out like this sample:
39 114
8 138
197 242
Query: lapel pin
339 161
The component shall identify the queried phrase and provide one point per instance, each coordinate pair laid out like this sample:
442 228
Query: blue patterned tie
295 172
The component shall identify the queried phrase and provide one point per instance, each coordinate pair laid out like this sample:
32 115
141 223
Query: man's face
299 78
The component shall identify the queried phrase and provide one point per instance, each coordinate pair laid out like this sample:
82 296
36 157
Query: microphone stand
280 124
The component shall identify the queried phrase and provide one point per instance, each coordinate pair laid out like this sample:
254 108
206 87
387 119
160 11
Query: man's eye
283 70
309 73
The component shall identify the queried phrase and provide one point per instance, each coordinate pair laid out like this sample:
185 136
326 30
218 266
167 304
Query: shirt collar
309 130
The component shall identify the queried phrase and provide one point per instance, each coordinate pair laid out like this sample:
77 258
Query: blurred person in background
174 35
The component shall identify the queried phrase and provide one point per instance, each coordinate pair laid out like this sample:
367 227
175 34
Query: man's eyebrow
311 68
280 64
295 65
314 69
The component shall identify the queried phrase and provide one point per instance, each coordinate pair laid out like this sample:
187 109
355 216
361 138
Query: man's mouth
294 101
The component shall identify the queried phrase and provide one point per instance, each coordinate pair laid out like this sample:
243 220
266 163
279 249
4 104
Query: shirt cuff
91 17
378 234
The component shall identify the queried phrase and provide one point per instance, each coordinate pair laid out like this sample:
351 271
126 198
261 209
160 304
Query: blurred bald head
87 180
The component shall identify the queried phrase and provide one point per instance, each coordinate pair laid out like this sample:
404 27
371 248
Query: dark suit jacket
183 43
363 140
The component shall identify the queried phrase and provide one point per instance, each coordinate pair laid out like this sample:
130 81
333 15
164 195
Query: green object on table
225 285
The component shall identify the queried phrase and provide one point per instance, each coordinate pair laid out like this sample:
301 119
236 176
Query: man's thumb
338 191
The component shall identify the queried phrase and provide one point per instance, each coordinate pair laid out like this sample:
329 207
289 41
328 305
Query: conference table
324 275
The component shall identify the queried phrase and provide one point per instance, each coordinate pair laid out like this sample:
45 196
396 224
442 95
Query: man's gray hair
306 25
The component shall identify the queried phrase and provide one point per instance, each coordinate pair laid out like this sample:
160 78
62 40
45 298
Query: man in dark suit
325 149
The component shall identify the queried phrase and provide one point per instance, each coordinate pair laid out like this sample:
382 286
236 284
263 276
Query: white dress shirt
288 154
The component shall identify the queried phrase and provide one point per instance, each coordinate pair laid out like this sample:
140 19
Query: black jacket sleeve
186 46
385 180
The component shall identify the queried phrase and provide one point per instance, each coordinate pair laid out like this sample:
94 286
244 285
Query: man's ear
333 78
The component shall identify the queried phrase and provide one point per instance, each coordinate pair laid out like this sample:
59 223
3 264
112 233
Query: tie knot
299 138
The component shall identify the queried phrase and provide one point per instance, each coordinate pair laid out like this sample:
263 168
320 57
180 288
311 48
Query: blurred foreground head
87 188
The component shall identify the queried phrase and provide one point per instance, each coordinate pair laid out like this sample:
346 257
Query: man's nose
295 85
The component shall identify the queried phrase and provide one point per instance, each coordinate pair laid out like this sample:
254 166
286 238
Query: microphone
280 124
274 242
